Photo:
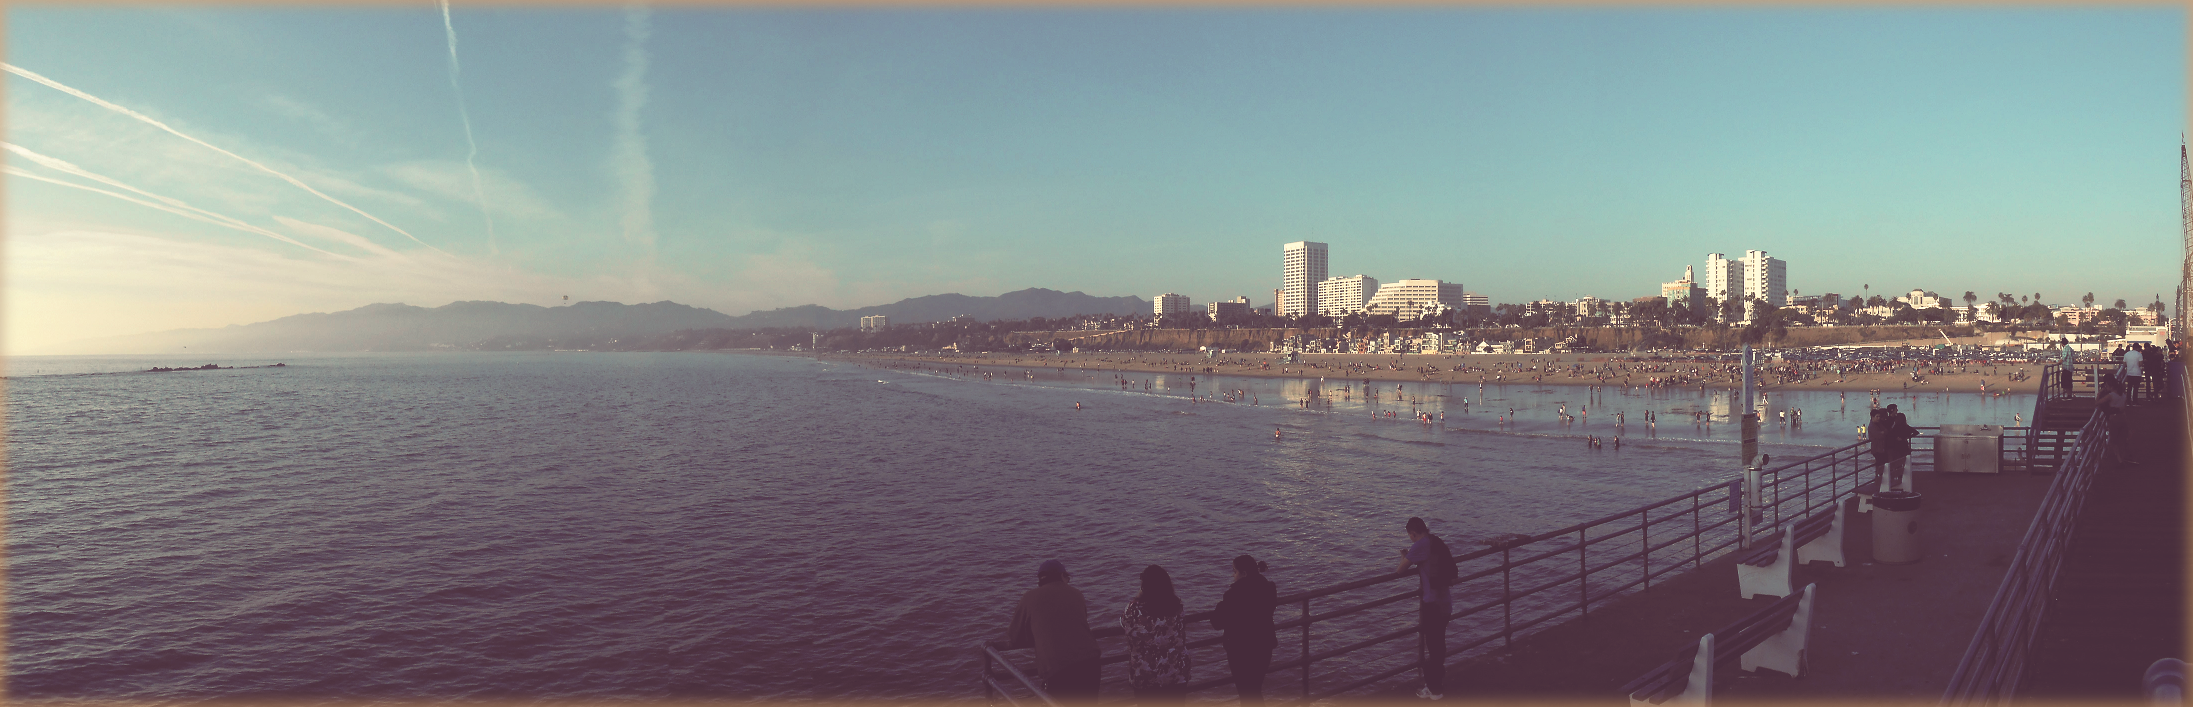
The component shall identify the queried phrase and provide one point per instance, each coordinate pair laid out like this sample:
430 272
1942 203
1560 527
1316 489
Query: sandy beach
1604 369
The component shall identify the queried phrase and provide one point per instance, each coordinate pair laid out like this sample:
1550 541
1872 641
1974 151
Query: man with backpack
1435 570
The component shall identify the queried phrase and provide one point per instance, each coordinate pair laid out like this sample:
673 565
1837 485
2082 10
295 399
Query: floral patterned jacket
1157 647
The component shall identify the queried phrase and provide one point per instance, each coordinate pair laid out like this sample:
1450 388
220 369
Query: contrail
472 148
628 149
218 221
56 85
62 165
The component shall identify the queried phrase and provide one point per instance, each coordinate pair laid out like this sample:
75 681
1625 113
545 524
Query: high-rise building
1476 303
1341 296
1765 278
1301 268
872 323
1279 303
1169 303
1724 278
1407 299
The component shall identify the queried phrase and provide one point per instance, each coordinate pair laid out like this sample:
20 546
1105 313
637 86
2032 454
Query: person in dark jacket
1053 618
1245 614
1890 437
1435 603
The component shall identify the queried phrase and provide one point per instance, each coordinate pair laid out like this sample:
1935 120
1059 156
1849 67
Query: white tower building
1724 278
1169 303
1765 278
1302 267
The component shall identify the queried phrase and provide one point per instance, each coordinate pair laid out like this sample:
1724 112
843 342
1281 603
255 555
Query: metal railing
1992 664
1508 589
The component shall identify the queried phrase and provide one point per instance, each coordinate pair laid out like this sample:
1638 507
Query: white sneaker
1427 694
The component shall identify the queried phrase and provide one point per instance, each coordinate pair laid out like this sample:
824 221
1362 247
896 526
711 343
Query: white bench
1769 568
1773 638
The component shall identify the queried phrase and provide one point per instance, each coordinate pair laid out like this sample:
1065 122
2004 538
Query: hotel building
1169 303
1341 296
1406 299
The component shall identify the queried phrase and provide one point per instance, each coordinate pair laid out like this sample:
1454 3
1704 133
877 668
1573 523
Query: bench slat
1764 555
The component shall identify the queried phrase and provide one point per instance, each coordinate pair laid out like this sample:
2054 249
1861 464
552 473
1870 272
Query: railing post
1697 529
1305 649
1644 528
1583 576
1507 599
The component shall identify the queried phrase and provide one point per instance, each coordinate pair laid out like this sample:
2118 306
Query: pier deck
2120 593
1897 632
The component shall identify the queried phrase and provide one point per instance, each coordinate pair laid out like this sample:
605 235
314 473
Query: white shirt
2132 363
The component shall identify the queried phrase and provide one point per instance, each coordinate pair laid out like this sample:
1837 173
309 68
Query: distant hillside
1031 302
498 325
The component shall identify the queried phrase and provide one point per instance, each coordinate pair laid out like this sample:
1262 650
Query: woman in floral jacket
1157 641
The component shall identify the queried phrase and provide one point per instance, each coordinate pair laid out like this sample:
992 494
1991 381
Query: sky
202 167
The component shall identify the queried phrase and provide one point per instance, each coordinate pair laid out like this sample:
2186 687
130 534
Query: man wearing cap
1054 619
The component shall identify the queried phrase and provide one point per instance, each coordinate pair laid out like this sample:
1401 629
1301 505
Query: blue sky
747 159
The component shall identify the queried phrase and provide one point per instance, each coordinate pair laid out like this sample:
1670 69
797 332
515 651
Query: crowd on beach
1987 371
1053 619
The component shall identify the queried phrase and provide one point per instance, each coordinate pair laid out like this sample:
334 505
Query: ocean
662 525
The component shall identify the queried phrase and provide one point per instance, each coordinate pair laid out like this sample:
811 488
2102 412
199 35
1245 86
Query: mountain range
500 325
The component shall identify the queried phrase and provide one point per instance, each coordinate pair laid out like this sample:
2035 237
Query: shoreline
1606 370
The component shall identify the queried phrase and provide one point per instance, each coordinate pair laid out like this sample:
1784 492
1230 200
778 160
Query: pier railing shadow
1356 634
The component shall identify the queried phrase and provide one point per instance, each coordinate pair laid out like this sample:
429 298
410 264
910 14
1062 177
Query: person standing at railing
1245 614
1157 641
1053 618
1890 435
2112 403
2130 372
2151 360
1435 602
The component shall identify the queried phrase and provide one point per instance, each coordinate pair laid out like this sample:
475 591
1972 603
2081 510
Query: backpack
1443 571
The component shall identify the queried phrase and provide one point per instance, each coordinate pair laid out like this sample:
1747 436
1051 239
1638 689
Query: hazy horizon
199 167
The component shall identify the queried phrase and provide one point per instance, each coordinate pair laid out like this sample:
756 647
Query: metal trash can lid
1896 500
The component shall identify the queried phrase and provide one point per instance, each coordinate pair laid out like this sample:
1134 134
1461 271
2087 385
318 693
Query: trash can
1896 527
1960 449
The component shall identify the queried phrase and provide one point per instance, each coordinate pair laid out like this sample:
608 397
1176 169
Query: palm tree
1970 298
2120 305
2088 300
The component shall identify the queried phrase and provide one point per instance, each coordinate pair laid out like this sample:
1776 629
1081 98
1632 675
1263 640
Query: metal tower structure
2185 208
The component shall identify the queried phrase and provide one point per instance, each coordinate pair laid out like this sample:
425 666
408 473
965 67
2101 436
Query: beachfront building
1231 309
1342 296
1169 303
1588 306
1765 278
1724 279
1922 299
1279 303
873 323
1684 293
2076 316
1408 298
1301 268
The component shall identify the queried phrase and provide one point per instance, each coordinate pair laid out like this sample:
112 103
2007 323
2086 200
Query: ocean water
696 524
